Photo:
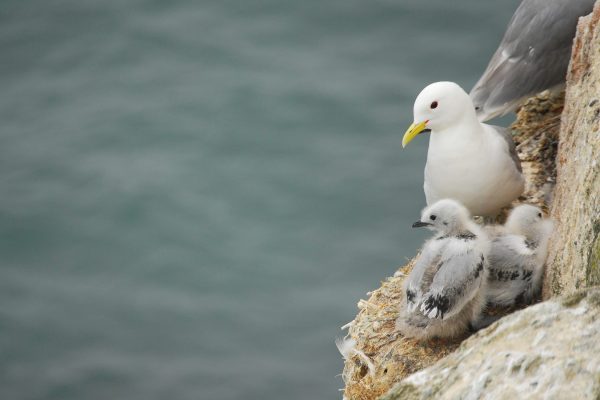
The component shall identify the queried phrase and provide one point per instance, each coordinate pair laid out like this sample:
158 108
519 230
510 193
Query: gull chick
445 289
468 161
517 257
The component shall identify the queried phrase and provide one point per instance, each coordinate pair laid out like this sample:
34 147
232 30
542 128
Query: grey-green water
195 194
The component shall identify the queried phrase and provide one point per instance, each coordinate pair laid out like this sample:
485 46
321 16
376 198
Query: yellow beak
413 131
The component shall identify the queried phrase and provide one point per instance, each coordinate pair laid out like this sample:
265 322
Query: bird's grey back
533 55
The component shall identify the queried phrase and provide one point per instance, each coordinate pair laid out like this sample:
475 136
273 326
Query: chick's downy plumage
444 292
517 257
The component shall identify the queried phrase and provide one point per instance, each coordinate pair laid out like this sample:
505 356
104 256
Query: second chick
517 257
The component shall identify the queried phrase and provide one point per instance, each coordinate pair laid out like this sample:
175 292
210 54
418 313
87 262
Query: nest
391 357
535 133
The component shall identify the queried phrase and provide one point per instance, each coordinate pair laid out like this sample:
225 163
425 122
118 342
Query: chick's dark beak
420 224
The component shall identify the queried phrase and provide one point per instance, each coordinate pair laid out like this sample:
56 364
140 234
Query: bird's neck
533 234
466 230
457 140
470 229
466 128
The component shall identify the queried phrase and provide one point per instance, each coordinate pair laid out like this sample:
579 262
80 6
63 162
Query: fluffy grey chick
517 257
445 290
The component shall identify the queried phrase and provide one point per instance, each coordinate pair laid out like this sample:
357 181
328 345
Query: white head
445 216
526 220
439 106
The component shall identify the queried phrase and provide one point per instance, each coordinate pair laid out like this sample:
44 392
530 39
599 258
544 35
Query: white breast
475 169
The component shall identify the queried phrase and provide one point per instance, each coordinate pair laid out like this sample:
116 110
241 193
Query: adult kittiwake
468 161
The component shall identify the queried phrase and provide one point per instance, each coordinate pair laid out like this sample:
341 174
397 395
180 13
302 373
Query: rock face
547 351
574 259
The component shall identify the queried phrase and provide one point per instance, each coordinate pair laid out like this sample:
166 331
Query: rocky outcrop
560 153
574 259
547 351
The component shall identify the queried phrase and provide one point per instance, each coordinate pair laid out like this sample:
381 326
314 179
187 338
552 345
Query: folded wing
455 283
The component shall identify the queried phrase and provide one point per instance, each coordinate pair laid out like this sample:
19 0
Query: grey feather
512 271
533 55
458 279
414 284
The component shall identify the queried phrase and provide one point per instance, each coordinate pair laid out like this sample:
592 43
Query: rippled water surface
195 194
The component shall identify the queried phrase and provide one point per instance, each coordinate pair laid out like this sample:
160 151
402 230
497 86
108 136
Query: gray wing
512 270
510 259
413 286
505 134
533 55
455 283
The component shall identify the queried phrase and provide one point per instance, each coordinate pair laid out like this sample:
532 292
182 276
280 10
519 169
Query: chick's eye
433 217
540 215
433 105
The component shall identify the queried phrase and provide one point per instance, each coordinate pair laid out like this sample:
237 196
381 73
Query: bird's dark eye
433 217
434 105
477 108
540 215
